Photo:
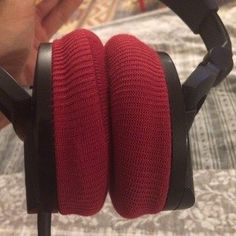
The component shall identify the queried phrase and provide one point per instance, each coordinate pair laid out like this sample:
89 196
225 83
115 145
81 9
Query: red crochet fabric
80 105
141 127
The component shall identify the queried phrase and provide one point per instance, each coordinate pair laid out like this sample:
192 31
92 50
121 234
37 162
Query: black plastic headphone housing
181 190
40 163
40 166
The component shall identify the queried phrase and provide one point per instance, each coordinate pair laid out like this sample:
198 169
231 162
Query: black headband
201 17
192 12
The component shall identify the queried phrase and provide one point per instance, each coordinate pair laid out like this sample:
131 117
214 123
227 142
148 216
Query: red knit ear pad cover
141 127
80 113
139 121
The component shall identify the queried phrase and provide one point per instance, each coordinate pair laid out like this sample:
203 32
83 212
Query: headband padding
141 127
80 123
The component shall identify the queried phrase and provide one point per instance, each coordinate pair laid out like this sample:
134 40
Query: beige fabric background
213 142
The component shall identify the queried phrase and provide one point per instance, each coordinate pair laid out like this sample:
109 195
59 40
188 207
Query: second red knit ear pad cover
80 110
141 127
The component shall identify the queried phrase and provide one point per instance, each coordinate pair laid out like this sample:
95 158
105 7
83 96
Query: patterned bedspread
213 144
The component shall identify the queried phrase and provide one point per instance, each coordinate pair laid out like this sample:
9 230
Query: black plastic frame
201 17
15 103
181 191
41 166
192 12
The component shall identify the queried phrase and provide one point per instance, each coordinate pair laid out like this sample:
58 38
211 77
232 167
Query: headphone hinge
221 58
215 67
196 88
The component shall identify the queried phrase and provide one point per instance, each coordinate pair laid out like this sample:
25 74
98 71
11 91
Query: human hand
23 26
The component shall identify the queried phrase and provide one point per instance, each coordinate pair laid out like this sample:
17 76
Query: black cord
44 224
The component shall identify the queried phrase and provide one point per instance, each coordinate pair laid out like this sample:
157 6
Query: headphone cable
44 224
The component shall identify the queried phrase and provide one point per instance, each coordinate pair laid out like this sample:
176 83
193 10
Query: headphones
113 118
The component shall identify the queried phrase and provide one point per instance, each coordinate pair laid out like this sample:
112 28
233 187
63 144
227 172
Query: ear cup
141 127
80 110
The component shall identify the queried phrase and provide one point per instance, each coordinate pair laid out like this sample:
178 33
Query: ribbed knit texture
141 127
80 105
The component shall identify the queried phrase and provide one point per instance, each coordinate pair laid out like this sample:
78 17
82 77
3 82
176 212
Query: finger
59 15
45 6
